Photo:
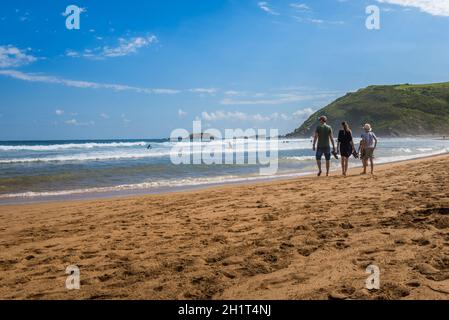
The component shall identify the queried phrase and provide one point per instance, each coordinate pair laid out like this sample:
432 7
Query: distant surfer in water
149 147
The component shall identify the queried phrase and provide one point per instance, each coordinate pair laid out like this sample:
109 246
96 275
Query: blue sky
139 69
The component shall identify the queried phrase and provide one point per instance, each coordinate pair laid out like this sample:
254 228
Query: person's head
345 126
323 119
367 127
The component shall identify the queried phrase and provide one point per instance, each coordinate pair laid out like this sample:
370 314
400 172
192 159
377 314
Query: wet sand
306 238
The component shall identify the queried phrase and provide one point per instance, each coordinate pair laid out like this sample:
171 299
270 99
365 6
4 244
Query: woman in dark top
345 146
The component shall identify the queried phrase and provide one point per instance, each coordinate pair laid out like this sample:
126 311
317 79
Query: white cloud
181 113
233 93
11 56
433 7
240 116
166 91
266 7
104 116
300 6
275 100
74 122
222 115
304 113
81 84
31 77
59 112
318 21
72 53
204 90
128 46
125 47
125 120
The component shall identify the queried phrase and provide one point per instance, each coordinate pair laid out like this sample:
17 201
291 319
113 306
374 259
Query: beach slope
309 238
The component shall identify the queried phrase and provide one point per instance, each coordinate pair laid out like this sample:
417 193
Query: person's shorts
369 153
325 151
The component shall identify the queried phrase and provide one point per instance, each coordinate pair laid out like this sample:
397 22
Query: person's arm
339 142
331 136
353 145
315 138
375 141
352 142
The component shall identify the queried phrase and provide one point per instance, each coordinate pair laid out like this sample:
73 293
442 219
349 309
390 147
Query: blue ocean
49 170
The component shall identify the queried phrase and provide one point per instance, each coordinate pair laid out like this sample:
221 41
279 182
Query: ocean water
44 170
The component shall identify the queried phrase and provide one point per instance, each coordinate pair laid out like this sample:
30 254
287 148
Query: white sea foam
287 144
405 150
86 157
388 159
424 149
55 147
299 159
159 150
152 185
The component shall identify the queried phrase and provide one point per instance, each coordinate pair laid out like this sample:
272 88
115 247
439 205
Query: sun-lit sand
308 238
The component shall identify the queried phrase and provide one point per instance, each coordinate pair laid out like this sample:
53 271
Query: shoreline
437 137
291 239
125 194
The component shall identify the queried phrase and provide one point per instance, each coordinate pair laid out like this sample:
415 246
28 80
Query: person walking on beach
324 135
345 146
369 140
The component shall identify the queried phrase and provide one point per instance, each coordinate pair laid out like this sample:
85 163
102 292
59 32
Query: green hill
399 110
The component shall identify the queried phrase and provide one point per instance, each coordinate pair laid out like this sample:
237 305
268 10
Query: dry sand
309 238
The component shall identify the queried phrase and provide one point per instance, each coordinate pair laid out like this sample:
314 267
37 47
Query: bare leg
347 165
365 164
328 165
372 165
318 162
343 165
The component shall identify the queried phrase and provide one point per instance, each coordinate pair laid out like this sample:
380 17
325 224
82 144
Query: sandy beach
307 238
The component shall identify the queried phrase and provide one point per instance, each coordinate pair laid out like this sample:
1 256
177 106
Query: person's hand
314 149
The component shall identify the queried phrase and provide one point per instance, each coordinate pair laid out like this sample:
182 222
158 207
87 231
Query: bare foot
319 174
363 173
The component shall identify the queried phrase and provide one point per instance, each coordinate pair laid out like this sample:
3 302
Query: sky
140 69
